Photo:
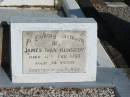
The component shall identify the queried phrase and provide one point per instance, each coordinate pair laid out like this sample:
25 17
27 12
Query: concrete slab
106 77
7 13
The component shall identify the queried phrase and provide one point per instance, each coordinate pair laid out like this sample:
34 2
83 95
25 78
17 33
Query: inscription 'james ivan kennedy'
54 51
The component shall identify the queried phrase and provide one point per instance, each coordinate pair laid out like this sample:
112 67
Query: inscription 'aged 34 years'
54 51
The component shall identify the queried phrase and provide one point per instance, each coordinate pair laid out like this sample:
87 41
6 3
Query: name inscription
54 51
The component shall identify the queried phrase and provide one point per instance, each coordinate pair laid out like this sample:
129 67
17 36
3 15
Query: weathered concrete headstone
53 50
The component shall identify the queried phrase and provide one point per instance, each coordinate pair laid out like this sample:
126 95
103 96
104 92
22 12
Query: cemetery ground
114 27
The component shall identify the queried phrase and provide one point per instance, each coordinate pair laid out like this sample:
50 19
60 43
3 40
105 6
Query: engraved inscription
54 51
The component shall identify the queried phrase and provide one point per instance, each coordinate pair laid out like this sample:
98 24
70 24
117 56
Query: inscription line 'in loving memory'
54 51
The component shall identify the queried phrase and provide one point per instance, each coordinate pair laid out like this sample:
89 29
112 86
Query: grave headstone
53 50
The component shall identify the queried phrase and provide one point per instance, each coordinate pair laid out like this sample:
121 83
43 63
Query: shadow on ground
118 32
6 49
113 30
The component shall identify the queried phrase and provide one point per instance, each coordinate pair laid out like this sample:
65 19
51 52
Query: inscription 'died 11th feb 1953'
54 51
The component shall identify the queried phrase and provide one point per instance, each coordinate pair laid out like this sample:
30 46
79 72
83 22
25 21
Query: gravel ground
120 12
52 92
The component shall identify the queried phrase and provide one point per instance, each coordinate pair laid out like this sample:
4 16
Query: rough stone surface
52 92
120 12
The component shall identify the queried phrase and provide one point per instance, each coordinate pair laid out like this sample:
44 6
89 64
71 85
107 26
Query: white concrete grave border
27 2
88 25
